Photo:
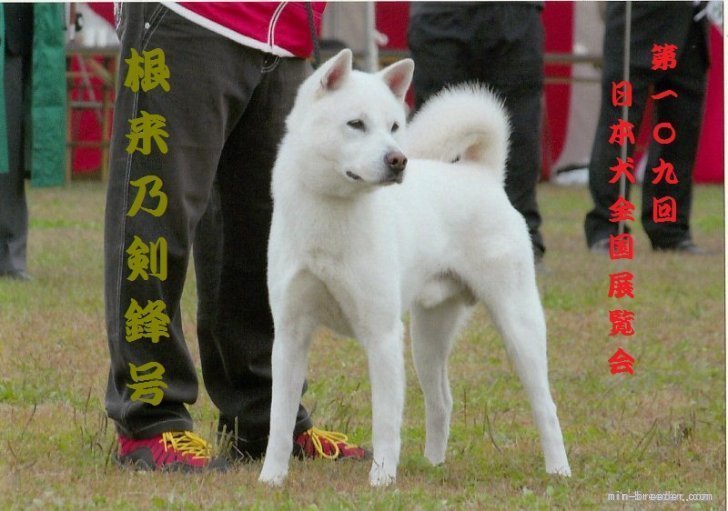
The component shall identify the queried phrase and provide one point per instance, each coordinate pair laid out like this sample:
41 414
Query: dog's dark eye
395 127
357 124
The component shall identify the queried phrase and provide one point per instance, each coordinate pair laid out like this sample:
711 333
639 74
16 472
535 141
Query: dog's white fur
351 249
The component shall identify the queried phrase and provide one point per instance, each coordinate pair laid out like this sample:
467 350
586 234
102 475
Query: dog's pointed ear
398 77
335 70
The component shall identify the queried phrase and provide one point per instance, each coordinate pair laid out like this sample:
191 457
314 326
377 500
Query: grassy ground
660 430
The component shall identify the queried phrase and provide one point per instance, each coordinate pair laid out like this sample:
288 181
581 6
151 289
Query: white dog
355 243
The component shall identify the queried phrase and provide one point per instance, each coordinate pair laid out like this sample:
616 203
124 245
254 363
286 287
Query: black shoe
600 246
242 451
684 247
237 449
538 263
21 275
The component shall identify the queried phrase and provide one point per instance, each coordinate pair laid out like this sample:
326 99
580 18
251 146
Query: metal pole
372 52
625 108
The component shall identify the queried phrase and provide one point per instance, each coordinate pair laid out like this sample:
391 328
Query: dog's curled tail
461 123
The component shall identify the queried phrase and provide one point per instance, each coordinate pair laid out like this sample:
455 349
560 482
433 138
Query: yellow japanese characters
148 382
147 259
147 71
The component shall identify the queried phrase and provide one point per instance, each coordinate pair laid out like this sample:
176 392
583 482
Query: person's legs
236 328
509 57
523 167
152 376
13 205
597 224
438 46
684 113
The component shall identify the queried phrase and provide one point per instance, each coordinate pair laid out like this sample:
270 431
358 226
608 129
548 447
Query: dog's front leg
289 360
386 373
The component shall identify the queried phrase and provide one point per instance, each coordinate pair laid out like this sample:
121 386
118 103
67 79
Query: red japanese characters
664 209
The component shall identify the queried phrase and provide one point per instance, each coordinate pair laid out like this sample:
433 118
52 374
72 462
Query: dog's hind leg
289 366
386 373
513 301
433 332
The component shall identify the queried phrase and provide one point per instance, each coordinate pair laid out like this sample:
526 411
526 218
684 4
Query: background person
499 44
652 23
32 119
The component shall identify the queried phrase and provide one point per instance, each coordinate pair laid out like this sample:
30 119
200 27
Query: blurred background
377 32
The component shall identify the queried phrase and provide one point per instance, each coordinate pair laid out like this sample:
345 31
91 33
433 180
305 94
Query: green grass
660 430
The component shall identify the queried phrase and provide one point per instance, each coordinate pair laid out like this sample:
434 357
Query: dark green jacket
46 137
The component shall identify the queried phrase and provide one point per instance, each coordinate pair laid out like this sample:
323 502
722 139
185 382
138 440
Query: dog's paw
272 478
562 470
435 456
380 478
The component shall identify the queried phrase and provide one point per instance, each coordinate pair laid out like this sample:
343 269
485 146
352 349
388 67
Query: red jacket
280 28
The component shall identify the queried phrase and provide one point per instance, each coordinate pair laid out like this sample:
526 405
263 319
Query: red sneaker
330 445
175 451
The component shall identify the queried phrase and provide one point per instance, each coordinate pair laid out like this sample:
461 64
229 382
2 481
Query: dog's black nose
396 161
